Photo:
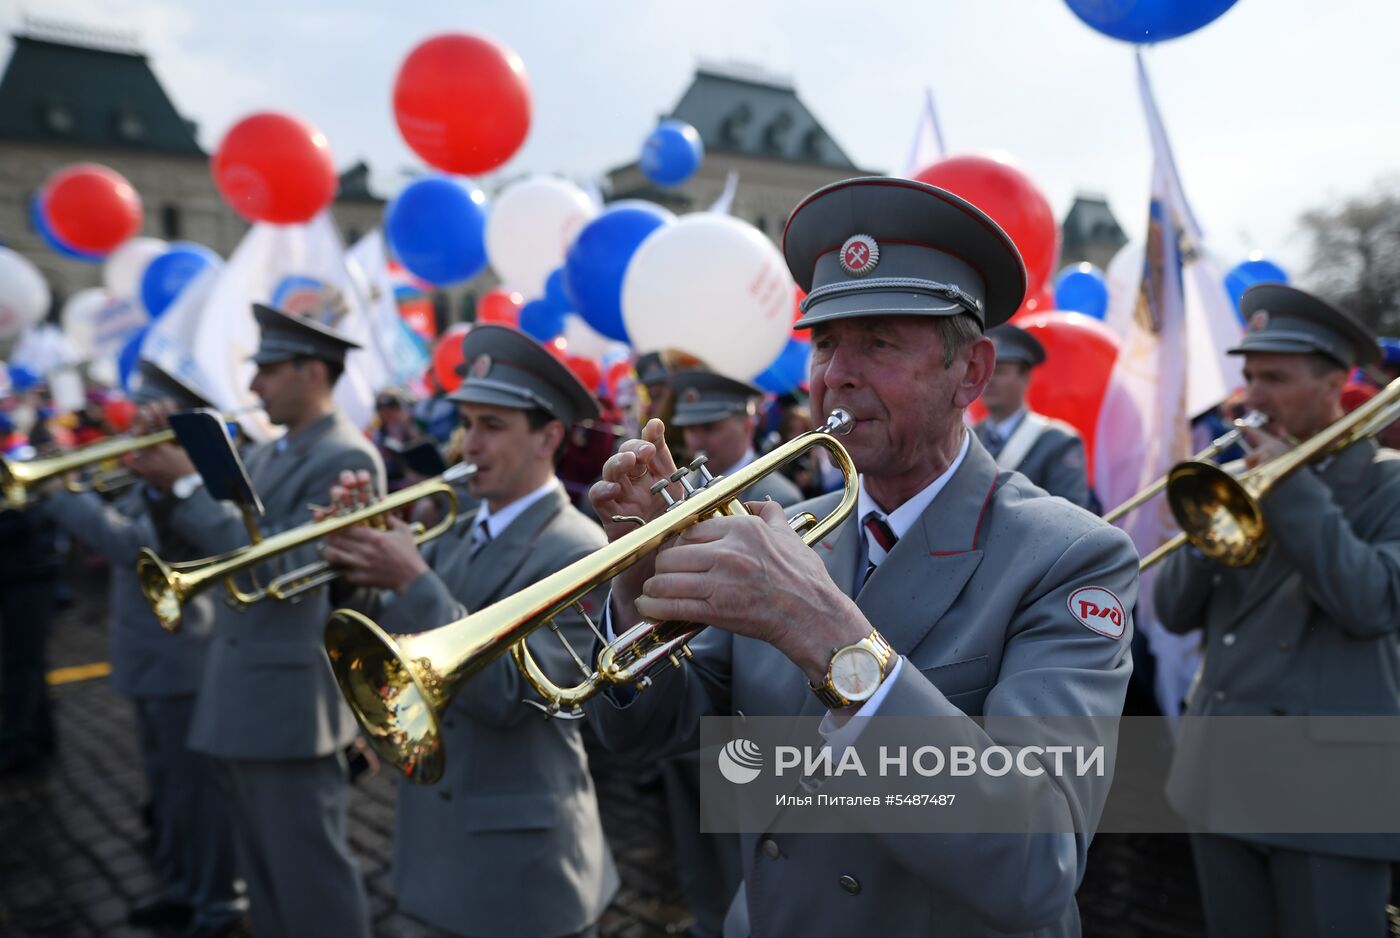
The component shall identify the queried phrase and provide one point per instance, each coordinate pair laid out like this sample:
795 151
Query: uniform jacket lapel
1344 476
496 563
924 574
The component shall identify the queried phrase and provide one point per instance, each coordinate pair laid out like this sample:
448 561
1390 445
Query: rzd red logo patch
1098 610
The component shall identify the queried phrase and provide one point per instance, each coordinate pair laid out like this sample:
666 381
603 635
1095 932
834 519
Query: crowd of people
949 592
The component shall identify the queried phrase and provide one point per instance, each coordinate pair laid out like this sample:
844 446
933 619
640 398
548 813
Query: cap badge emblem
690 396
1259 321
859 255
481 366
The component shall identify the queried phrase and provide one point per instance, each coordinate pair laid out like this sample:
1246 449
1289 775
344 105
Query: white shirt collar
902 518
748 457
497 522
1005 428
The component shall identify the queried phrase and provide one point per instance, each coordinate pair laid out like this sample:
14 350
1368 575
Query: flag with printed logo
208 335
1176 326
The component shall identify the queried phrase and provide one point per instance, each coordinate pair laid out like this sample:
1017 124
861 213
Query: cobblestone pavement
72 842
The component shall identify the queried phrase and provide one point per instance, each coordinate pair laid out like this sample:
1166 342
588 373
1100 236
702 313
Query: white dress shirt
493 523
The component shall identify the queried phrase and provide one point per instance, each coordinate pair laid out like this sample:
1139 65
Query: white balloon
79 319
530 227
24 296
125 266
583 340
713 286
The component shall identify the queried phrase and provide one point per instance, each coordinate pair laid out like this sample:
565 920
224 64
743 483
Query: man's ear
980 358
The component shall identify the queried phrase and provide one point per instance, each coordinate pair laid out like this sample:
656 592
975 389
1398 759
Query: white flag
725 203
928 146
209 334
1179 313
404 354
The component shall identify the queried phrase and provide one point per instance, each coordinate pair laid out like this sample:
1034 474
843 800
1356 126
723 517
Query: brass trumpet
1220 514
18 480
398 686
1253 420
167 586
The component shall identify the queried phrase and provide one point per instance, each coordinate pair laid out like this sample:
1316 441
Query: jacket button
1219 696
1227 639
850 885
770 848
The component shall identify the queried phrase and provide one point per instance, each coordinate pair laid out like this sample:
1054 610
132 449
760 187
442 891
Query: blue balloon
40 224
1145 21
130 356
1246 274
169 274
555 293
437 229
1082 289
788 370
22 378
598 258
672 153
541 319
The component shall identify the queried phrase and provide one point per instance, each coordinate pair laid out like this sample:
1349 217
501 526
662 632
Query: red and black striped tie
879 535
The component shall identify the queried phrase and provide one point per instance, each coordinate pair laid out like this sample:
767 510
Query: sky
1278 107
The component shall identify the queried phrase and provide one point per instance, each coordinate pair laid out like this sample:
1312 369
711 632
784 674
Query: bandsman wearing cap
947 590
269 708
509 841
717 417
161 674
1309 630
1049 452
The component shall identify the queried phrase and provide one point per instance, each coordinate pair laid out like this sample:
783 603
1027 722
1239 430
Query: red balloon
90 207
447 356
499 306
118 412
996 186
617 373
1079 356
801 335
586 370
1038 301
275 168
462 103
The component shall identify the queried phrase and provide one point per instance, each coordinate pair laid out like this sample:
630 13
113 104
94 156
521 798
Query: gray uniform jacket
509 841
1312 629
1055 462
975 597
147 661
776 486
268 689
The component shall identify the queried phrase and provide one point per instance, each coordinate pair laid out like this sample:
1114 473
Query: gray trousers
1250 889
194 830
290 829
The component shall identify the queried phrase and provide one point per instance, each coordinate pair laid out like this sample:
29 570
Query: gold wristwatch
855 672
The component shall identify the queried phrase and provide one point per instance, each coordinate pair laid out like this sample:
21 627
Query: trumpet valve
674 659
659 488
697 465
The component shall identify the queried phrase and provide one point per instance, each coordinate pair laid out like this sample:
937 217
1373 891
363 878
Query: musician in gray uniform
269 707
947 590
1308 630
509 841
161 674
1047 451
718 417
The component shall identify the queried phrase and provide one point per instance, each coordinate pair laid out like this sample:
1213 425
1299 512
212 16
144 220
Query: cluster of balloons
437 228
1142 21
84 211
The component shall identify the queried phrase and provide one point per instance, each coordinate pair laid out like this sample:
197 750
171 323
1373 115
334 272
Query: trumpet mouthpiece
840 421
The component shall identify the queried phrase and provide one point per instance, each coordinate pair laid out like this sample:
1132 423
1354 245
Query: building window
170 222
58 118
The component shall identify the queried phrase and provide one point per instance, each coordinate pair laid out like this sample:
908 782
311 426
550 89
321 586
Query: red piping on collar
977 531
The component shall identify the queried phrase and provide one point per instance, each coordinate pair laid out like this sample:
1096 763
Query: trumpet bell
1217 513
159 584
389 693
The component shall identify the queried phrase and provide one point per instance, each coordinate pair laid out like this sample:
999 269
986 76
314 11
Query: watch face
855 673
